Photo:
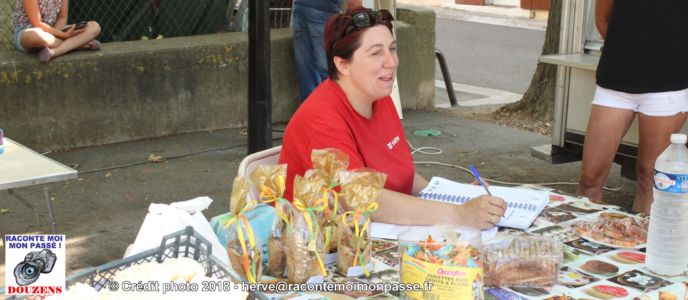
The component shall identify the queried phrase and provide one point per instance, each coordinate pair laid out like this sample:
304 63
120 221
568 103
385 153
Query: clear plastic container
444 262
2 146
669 211
522 261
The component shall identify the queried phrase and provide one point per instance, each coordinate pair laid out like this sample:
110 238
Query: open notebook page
523 205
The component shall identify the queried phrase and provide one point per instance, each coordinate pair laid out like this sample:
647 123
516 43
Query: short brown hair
343 34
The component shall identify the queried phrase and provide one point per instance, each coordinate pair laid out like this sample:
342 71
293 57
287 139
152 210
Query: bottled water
2 146
667 241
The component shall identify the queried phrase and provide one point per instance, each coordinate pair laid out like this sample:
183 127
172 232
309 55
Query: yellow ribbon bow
355 220
268 195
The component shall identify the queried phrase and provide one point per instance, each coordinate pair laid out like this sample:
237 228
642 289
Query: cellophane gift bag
243 247
306 248
359 189
270 182
326 165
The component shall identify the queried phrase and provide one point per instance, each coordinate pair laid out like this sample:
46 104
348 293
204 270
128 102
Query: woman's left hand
72 31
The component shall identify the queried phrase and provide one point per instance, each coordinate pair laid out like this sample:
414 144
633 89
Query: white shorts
651 104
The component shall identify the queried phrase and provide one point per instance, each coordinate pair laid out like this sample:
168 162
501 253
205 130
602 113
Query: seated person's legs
35 39
91 31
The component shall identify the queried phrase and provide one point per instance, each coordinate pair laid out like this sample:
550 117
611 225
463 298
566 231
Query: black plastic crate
184 243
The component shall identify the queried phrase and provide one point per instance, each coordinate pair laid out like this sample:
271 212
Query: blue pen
480 180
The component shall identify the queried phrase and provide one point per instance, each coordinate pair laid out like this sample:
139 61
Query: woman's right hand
483 212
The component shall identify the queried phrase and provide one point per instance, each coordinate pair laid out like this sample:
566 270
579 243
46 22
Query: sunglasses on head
366 19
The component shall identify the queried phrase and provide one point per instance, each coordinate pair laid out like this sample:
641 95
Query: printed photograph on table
578 208
613 229
641 281
381 245
559 233
571 255
388 257
588 246
502 294
389 275
530 291
676 291
557 198
607 290
572 278
562 297
600 268
355 293
509 231
540 222
556 216
627 257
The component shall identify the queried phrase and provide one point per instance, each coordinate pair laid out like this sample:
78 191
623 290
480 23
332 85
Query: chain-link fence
126 20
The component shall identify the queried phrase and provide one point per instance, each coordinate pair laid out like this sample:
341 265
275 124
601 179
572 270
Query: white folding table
23 167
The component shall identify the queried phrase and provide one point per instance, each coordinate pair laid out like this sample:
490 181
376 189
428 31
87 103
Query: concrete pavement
501 12
477 42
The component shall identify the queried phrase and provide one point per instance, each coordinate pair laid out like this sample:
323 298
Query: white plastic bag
164 219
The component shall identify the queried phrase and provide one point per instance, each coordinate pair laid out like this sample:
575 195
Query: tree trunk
538 100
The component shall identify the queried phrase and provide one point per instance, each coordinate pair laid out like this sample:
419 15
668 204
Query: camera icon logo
35 263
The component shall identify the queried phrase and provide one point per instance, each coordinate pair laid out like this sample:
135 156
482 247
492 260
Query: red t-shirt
327 120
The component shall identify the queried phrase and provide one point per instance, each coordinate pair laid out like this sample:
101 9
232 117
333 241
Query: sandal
92 45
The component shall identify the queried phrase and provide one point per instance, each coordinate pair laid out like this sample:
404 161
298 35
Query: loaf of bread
522 261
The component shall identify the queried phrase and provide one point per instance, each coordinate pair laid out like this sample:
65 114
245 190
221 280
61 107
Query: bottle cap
679 138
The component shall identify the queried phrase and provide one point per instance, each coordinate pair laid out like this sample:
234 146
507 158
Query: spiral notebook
523 205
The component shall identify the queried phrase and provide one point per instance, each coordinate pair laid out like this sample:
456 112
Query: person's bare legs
92 30
35 39
606 128
655 134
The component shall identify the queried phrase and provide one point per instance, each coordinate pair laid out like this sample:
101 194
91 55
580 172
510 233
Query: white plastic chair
249 163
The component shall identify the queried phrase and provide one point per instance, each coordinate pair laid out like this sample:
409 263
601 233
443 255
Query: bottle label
671 183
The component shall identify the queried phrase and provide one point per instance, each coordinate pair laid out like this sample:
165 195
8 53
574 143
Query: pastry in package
243 247
305 245
359 189
522 261
270 183
326 165
354 250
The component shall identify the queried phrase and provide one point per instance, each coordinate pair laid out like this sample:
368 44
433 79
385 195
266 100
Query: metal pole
51 215
259 96
447 78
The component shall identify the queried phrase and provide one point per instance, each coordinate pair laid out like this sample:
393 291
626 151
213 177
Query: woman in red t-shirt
353 112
